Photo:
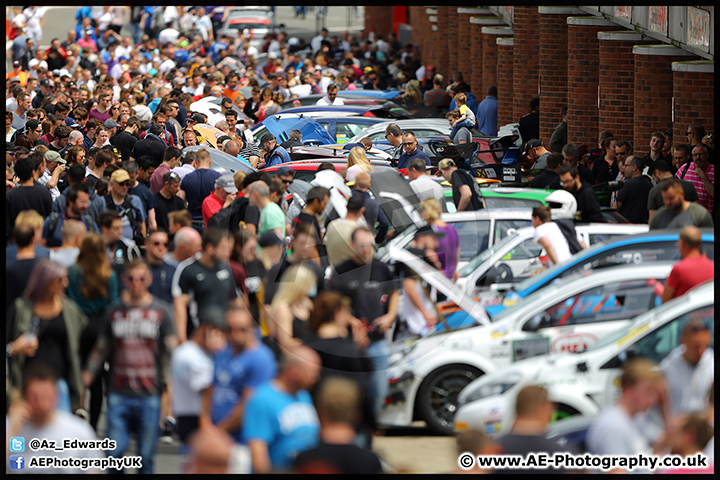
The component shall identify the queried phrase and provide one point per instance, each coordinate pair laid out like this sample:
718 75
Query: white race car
585 383
427 375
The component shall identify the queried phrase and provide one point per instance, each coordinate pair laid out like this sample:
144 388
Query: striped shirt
249 150
691 176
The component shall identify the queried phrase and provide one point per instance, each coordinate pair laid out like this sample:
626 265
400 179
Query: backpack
567 227
55 218
132 216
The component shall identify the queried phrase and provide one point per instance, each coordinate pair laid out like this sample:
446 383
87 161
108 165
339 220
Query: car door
655 346
516 262
578 321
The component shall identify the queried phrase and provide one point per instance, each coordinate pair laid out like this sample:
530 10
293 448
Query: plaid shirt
691 176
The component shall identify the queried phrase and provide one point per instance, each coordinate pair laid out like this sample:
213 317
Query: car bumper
492 415
399 403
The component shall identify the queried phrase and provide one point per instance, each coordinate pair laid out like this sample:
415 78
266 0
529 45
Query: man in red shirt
694 268
223 196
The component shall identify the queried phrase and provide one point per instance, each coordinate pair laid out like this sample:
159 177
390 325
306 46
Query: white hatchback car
585 383
427 375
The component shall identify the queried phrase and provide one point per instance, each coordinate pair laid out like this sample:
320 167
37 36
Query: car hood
397 199
312 131
222 162
386 94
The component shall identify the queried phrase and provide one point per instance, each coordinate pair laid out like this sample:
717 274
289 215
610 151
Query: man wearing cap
466 194
87 41
223 196
274 153
129 207
18 73
54 168
102 110
549 177
112 128
34 130
537 153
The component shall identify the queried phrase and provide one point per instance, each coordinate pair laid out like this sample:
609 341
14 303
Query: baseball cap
227 183
52 156
284 171
9 146
534 143
31 124
120 176
197 117
89 31
70 122
110 123
16 64
14 80
269 239
46 82
266 138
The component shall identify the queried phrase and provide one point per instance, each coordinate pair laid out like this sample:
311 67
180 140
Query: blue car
384 110
650 247
386 94
281 124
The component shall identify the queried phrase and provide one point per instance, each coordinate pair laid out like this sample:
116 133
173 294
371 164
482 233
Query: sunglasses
408 144
287 182
157 244
124 184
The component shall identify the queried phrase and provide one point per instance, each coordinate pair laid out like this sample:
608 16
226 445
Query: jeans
379 354
136 32
63 396
458 126
139 415
302 10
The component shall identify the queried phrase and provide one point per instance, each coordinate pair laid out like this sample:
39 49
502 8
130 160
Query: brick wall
474 60
441 39
526 58
617 83
505 80
653 92
553 72
464 42
379 18
452 36
489 64
582 80
694 93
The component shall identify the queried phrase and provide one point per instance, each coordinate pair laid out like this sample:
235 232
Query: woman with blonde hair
357 162
289 312
412 99
266 100
92 285
448 249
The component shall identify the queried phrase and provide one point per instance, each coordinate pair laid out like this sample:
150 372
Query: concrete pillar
583 71
694 94
654 91
477 53
553 66
505 80
527 59
617 82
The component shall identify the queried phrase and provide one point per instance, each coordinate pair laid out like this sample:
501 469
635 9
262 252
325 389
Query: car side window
621 300
526 250
505 227
640 253
474 238
346 131
658 344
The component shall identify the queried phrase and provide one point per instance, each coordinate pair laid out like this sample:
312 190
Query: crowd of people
198 304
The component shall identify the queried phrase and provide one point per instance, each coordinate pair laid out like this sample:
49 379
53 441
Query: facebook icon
17 462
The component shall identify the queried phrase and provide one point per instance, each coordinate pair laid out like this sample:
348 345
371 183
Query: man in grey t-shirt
677 211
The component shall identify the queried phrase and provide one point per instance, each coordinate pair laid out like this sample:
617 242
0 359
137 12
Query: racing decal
573 342
530 348
633 333
500 332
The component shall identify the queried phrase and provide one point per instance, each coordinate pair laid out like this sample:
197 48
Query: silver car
253 22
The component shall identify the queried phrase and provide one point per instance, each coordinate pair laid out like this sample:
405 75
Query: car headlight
498 387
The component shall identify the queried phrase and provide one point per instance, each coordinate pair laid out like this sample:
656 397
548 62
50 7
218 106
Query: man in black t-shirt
207 281
533 412
588 206
315 203
166 200
466 195
126 140
375 301
633 196
549 178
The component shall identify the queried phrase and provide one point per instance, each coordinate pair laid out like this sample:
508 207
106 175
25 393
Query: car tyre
504 274
437 396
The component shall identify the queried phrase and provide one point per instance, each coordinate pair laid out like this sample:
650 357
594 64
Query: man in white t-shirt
548 235
421 183
36 415
331 98
615 431
191 371
690 369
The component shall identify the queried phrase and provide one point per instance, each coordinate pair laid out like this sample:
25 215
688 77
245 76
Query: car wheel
504 274
438 394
